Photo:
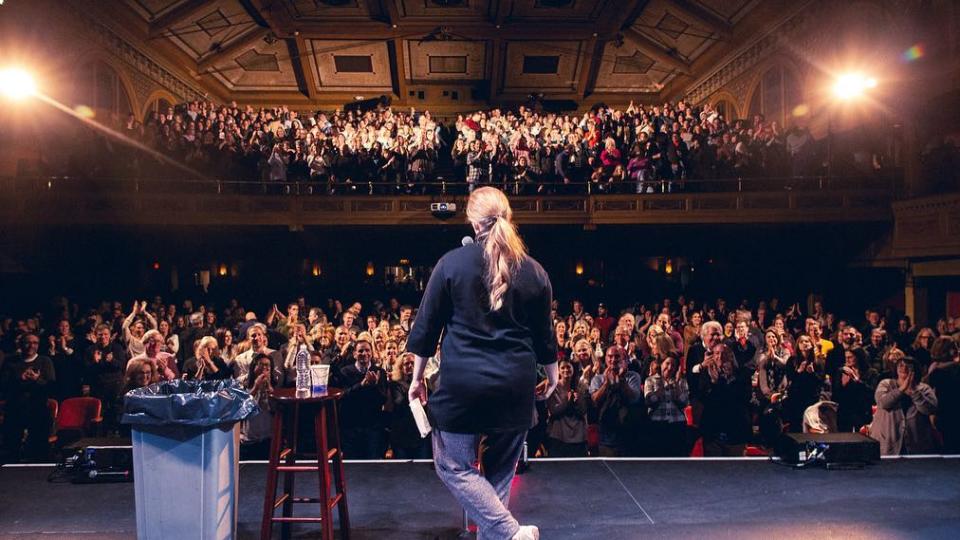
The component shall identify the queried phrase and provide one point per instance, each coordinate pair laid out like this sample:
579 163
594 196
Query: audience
640 149
666 375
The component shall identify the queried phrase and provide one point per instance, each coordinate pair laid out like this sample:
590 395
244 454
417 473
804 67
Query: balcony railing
183 201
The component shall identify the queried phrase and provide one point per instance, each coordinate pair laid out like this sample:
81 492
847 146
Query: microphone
466 241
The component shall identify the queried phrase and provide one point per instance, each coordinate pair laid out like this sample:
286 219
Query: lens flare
84 111
16 84
915 52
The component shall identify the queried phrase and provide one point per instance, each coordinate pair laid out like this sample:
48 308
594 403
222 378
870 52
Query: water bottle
303 373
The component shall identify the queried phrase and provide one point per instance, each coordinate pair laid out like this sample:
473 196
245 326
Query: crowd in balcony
638 149
674 378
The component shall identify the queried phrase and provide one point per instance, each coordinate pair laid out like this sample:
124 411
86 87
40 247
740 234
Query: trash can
186 441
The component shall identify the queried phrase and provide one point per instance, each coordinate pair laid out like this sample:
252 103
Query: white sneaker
527 532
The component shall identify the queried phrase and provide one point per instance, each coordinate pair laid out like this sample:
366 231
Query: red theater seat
80 414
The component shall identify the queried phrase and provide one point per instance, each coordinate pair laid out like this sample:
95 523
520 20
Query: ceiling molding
655 51
180 13
236 46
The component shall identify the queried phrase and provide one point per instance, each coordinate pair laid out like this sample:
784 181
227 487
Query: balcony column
915 301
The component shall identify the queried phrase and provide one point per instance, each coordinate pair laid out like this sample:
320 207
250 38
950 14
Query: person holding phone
26 380
491 301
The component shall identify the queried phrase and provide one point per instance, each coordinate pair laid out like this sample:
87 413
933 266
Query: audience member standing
26 380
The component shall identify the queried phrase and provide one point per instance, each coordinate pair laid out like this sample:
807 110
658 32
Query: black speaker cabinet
836 448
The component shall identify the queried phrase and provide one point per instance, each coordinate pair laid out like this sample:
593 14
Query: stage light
852 85
156 265
16 84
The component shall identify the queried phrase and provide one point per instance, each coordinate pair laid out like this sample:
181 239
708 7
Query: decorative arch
123 86
149 104
763 96
727 97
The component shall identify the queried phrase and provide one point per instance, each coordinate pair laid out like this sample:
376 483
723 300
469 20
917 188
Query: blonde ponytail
489 211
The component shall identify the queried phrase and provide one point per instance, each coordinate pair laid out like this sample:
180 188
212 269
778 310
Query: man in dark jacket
361 410
725 393
104 365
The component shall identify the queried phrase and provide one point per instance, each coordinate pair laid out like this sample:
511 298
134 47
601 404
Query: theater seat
79 417
697 450
53 407
755 451
593 435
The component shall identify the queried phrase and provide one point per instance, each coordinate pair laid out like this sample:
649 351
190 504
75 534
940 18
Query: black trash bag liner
188 403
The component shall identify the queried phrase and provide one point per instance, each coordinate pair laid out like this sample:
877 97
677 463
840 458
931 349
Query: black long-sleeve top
488 366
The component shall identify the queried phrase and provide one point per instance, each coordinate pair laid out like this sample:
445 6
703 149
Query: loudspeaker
832 449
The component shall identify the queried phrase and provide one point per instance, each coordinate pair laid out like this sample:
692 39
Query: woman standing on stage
492 303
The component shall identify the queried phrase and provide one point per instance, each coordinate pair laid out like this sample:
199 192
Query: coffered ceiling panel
625 68
152 8
574 10
446 60
444 9
214 26
261 67
728 10
673 30
322 9
542 65
350 65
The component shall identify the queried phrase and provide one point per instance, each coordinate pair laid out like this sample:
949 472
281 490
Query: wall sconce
222 271
578 269
315 270
370 269
668 268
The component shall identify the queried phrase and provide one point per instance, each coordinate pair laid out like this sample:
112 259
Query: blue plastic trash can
186 442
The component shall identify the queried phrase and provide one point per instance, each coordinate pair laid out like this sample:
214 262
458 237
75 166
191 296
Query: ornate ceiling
323 50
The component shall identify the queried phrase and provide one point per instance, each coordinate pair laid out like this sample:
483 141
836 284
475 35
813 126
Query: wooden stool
285 401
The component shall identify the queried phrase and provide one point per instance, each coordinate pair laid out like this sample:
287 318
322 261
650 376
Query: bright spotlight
16 84
852 85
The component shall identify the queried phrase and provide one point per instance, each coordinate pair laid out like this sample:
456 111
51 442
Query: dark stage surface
904 498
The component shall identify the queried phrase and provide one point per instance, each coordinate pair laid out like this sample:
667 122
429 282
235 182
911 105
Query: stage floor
587 499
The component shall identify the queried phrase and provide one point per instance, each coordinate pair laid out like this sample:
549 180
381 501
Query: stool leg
288 477
323 467
266 525
341 483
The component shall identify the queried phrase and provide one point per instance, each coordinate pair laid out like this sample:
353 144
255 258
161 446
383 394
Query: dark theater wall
620 265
